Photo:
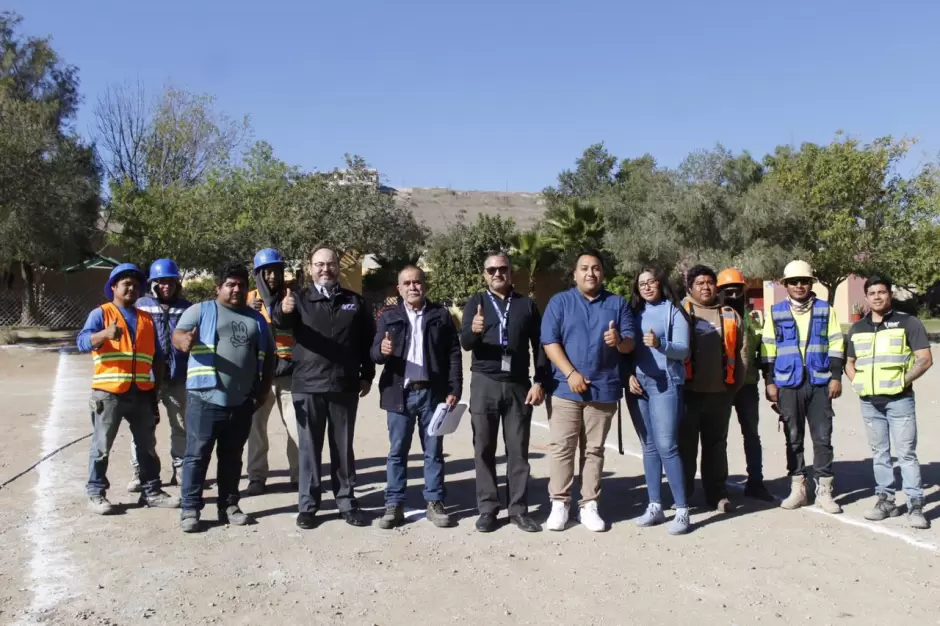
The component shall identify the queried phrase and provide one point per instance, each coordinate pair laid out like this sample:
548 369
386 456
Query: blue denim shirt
579 324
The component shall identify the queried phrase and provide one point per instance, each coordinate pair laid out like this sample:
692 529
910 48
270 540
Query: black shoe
306 521
486 523
526 523
355 517
758 491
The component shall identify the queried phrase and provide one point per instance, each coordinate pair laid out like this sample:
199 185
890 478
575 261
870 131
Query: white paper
444 422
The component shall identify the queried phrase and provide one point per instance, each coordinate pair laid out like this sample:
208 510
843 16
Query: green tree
534 252
49 178
456 257
575 226
845 191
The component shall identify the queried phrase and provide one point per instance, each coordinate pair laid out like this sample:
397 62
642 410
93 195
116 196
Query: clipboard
445 422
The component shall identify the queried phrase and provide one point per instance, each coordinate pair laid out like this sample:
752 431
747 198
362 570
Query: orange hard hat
730 276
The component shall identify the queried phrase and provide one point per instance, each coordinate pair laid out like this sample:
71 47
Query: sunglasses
493 269
802 282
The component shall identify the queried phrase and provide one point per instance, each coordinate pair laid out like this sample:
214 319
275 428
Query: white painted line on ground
843 518
51 570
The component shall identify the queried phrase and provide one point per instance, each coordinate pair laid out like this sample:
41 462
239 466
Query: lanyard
503 319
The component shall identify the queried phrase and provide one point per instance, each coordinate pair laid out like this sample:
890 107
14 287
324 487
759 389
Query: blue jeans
107 411
656 415
206 425
419 407
884 421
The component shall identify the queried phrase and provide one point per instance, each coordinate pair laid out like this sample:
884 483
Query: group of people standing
221 367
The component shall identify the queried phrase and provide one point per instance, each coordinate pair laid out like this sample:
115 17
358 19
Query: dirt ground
60 564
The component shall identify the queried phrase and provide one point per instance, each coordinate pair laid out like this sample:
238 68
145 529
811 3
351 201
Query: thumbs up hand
185 339
256 304
478 326
650 339
387 345
289 302
612 337
113 331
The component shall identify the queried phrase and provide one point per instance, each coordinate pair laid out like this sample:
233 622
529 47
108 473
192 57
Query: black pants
318 415
799 405
747 407
707 416
224 427
491 402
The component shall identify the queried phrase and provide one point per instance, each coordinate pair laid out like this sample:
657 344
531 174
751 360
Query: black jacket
441 354
331 335
523 335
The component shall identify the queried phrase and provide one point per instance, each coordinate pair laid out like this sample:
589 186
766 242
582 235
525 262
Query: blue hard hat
268 256
164 268
123 268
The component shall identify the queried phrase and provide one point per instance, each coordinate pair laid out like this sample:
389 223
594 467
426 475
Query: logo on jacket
349 307
239 334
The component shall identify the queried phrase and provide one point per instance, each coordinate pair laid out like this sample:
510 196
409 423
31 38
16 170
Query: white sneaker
558 518
590 518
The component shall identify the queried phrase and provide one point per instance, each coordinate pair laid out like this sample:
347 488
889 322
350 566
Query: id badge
507 362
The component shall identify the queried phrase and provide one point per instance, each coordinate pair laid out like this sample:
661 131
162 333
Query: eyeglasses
650 284
802 282
493 269
320 265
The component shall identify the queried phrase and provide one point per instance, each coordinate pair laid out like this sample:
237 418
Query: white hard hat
797 269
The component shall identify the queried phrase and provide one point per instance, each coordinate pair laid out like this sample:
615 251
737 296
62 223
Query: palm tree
533 251
574 227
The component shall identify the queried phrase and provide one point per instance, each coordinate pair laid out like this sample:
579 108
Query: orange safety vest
125 361
283 339
730 322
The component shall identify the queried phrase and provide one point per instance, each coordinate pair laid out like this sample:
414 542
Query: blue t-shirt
579 324
95 323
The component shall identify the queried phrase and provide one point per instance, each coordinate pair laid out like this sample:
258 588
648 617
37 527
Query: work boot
915 514
159 500
437 515
100 505
189 521
824 498
134 485
255 488
797 497
758 491
883 509
394 516
234 515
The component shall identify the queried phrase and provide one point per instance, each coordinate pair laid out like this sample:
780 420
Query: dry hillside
439 208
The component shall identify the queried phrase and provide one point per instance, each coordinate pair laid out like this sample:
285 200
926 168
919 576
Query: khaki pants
569 422
279 397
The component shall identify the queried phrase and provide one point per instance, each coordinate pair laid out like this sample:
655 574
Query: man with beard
231 366
418 344
731 291
714 372
501 328
332 328
802 348
269 277
166 305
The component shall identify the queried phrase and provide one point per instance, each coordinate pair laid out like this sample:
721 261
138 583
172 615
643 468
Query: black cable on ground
48 456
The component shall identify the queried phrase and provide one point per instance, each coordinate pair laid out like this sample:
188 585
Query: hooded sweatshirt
284 367
708 372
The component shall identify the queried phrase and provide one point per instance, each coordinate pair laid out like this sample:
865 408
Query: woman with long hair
655 392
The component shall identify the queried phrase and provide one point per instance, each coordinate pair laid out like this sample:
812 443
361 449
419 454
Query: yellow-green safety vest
882 359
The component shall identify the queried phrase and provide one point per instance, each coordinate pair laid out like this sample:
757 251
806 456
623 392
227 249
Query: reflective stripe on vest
882 360
124 361
729 331
790 364
283 339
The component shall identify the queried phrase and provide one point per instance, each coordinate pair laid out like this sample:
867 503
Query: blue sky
495 95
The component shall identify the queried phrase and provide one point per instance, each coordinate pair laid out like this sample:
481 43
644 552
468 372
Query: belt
419 384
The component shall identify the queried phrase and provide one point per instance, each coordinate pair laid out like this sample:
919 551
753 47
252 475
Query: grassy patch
8 336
